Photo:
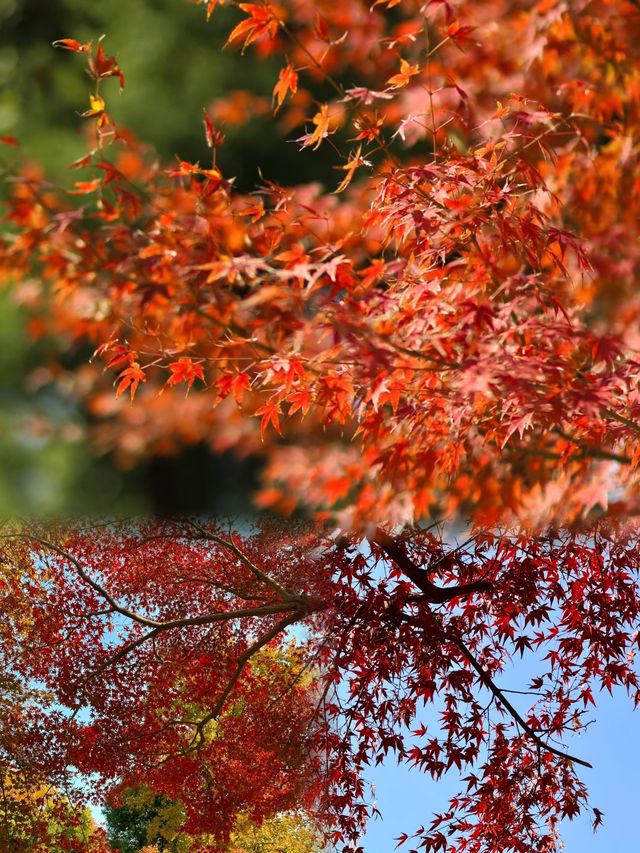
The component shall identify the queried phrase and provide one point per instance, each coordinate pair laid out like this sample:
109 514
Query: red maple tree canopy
447 332
164 657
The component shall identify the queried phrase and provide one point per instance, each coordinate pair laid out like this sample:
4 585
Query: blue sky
407 798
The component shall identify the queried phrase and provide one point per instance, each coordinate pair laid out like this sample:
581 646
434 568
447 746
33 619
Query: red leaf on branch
270 417
185 370
73 45
130 378
263 20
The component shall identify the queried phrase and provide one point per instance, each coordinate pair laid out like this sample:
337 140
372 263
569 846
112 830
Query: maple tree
452 328
34 815
164 651
247 753
448 331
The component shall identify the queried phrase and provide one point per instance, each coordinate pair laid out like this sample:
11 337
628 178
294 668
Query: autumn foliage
165 658
449 325
449 329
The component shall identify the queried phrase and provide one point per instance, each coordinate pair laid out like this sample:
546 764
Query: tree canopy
438 336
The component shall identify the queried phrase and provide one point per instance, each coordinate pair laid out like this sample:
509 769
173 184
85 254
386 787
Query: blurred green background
174 66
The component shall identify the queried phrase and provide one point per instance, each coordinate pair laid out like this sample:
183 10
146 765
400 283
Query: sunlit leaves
130 378
287 82
351 166
96 107
402 78
322 124
262 20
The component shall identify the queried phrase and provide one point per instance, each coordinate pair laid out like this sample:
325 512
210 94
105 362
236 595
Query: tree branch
291 603
432 593
502 699
257 572
593 452
123 611
241 663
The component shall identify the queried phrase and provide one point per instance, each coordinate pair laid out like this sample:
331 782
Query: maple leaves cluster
163 659
451 328
569 600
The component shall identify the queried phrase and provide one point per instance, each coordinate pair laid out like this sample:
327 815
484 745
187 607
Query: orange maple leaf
102 66
300 400
82 187
211 5
322 121
130 378
270 415
350 168
407 71
262 20
233 383
287 82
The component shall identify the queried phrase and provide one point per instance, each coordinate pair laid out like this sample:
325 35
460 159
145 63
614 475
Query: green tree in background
174 68
145 819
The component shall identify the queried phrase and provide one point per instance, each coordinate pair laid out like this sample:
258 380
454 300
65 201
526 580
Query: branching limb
241 663
291 603
118 608
432 593
610 415
123 652
232 590
593 452
488 682
257 572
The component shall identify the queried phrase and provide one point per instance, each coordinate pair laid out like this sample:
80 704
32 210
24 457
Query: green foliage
287 833
173 66
146 818
45 460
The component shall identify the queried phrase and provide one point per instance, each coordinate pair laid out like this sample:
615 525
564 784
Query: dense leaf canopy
445 330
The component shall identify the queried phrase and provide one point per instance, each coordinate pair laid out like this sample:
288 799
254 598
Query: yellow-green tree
146 821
